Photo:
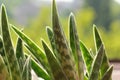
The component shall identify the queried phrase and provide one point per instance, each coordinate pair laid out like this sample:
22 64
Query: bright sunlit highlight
118 1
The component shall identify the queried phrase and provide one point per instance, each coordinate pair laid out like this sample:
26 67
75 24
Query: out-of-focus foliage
102 11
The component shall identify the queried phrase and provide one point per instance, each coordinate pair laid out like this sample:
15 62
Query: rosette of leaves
65 60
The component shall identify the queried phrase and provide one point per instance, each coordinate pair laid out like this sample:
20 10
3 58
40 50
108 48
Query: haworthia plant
65 61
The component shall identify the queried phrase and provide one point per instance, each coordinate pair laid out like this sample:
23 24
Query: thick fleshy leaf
33 48
46 67
19 53
86 57
8 47
4 74
108 73
39 70
75 47
2 52
98 42
62 46
57 70
26 73
52 41
96 64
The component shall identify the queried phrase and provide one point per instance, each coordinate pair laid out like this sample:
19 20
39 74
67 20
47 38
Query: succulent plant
66 60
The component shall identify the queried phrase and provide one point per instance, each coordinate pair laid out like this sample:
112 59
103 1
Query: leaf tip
48 29
3 9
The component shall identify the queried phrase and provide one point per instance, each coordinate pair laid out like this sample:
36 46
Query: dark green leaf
98 42
86 57
94 74
19 53
62 46
26 73
52 41
75 47
55 66
108 73
8 47
39 70
34 49
2 52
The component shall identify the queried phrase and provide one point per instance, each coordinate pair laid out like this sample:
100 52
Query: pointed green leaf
4 75
26 73
62 46
52 41
75 46
19 53
55 66
46 67
108 73
8 47
19 49
2 52
94 74
33 48
86 57
39 70
98 42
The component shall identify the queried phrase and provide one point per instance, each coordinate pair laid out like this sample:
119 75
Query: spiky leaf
26 73
86 57
62 46
96 64
8 47
57 70
108 73
52 41
98 42
33 48
19 53
2 52
75 46
39 70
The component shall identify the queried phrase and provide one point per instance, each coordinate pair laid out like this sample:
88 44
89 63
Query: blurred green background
35 15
